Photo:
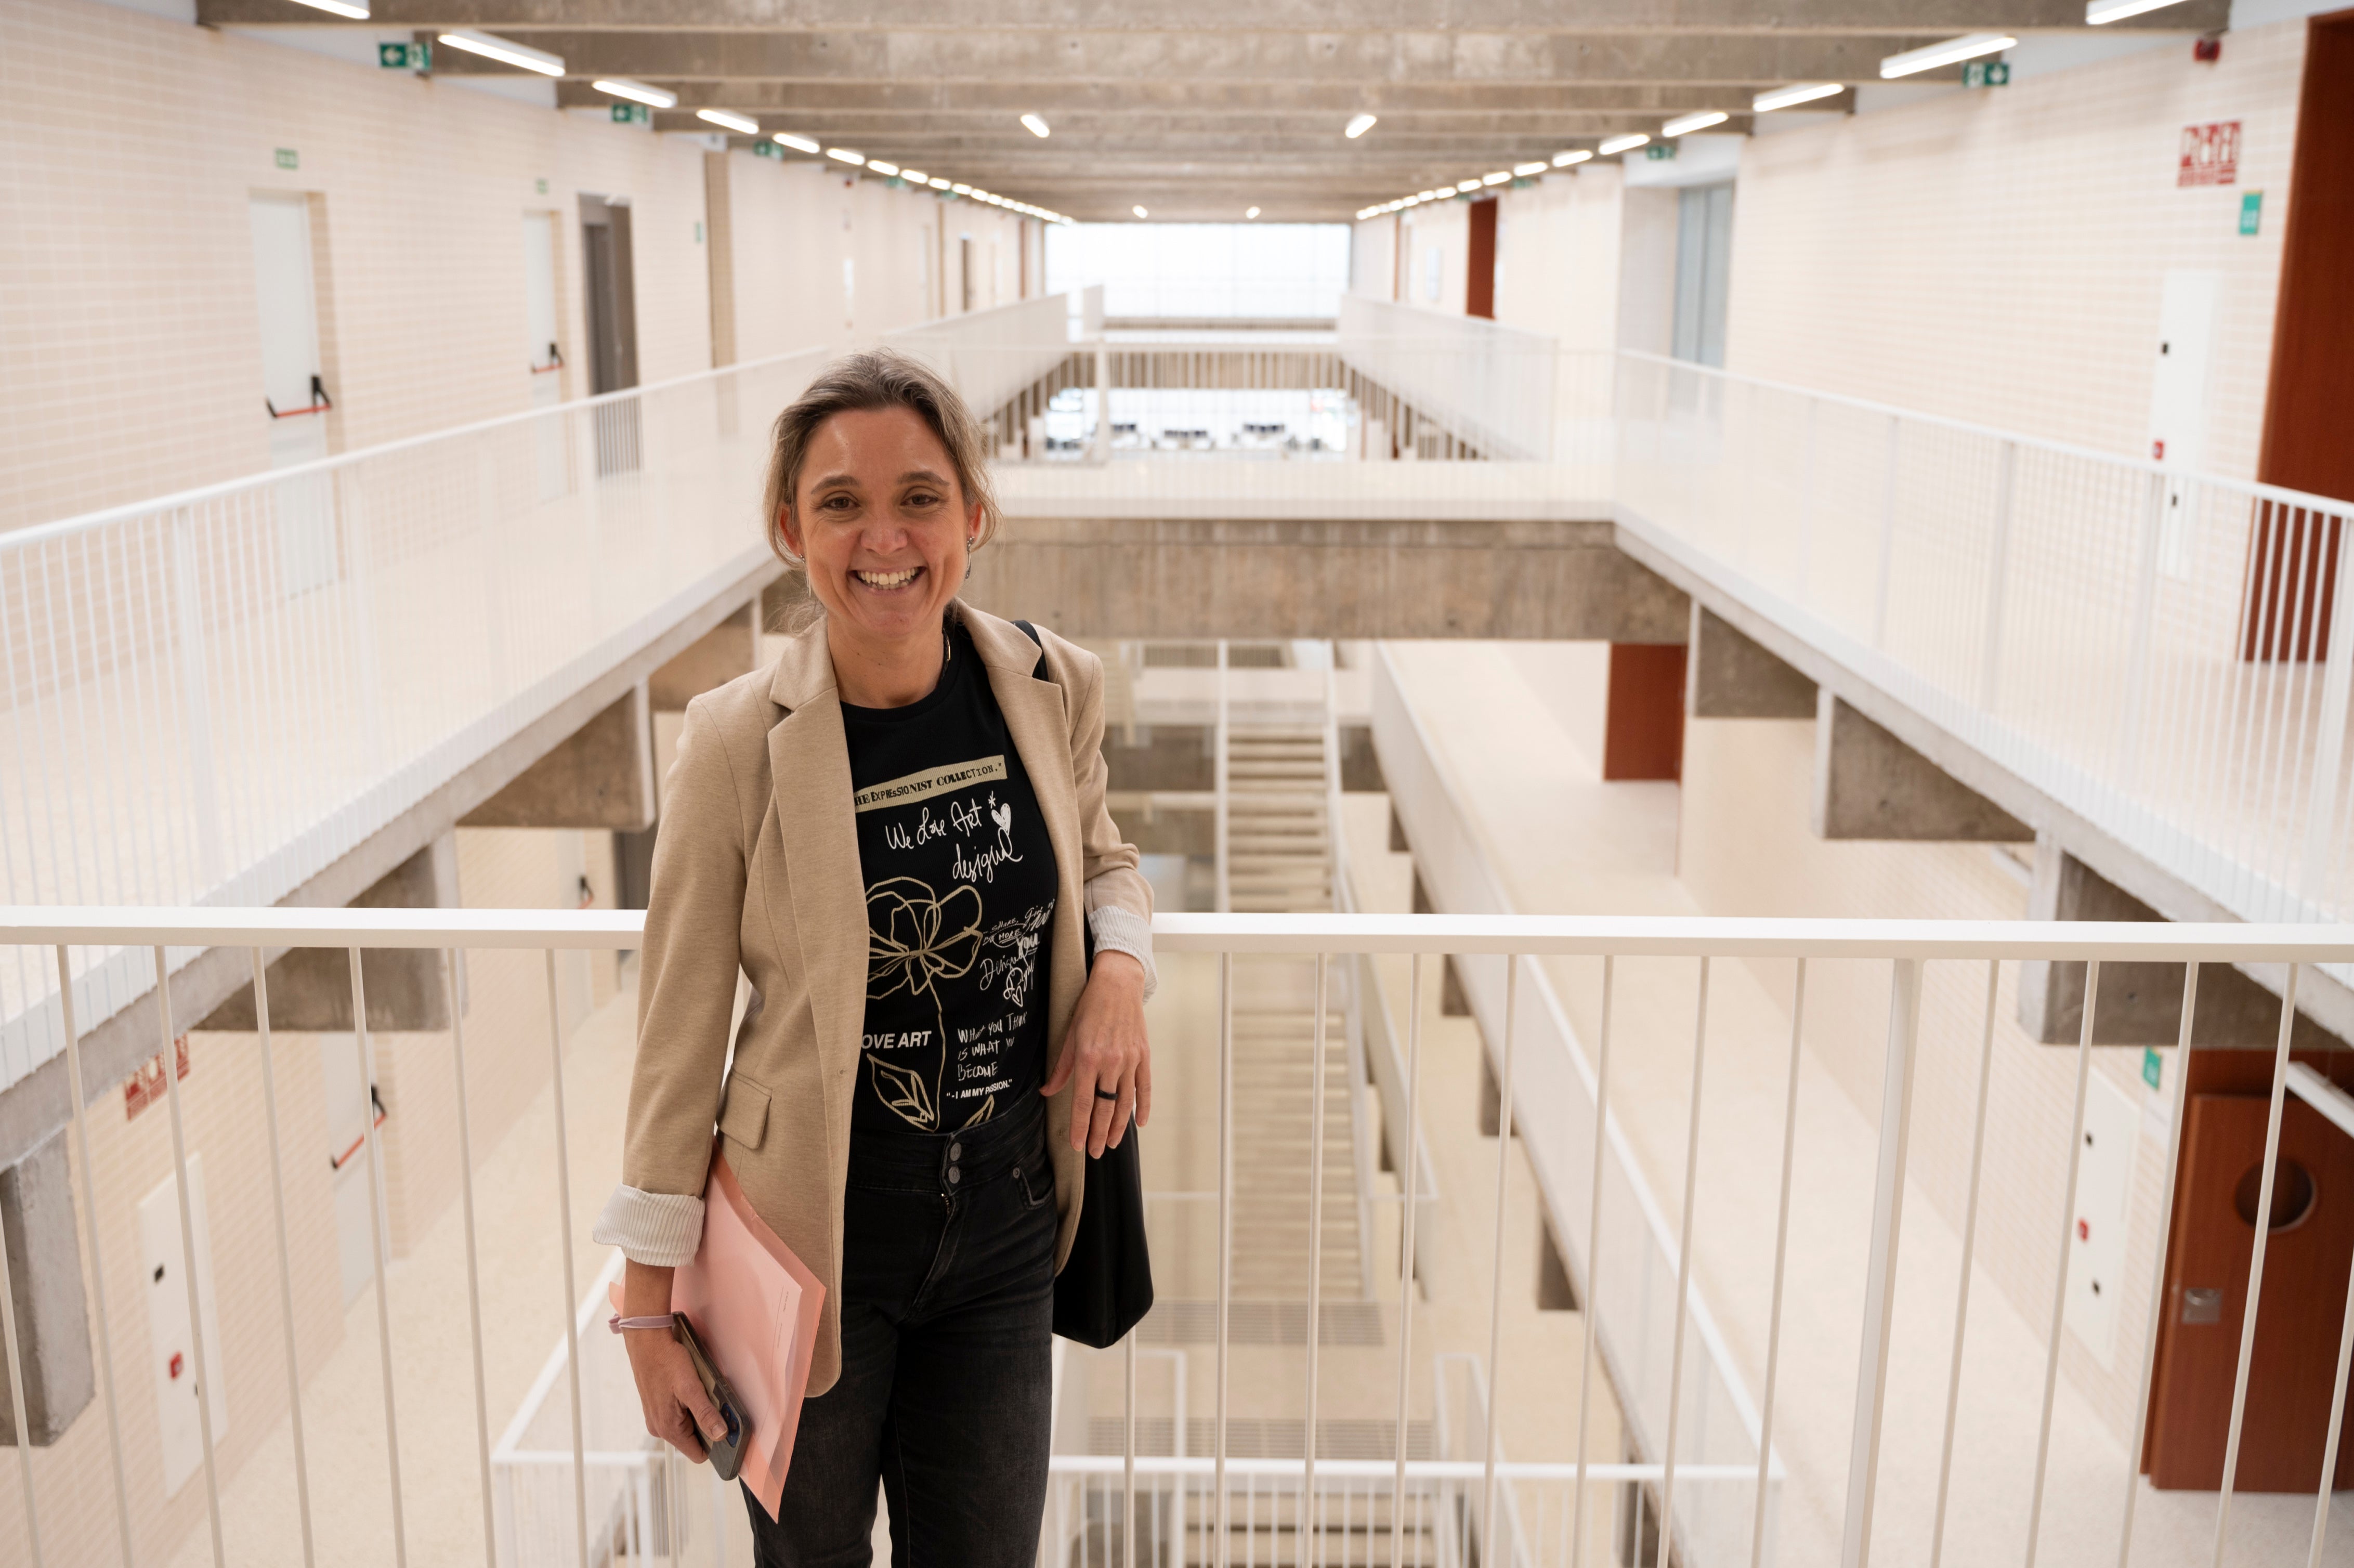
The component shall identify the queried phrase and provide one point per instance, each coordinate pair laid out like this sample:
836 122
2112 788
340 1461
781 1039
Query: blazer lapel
809 760
1035 718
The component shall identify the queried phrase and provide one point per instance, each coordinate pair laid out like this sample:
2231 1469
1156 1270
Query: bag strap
1038 673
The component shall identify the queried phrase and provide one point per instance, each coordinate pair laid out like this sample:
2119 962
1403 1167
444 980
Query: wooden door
2305 1261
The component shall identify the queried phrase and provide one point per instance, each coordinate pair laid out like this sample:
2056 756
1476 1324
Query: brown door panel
2305 1261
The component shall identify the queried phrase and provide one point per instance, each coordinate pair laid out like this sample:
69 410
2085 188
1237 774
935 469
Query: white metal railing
2153 650
992 355
1400 1489
211 697
1492 387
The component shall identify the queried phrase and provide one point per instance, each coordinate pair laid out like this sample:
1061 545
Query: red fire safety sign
2210 155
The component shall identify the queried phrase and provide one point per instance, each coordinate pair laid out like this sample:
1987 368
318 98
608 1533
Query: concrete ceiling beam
1075 105
1256 59
967 17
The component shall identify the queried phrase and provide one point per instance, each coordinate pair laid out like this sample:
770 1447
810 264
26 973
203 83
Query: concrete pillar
44 1284
1102 452
311 987
1869 785
1729 676
728 650
2141 1004
602 777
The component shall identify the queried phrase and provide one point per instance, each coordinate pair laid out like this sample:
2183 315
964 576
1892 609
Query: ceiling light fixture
880 167
636 91
742 123
1250 212
798 144
938 183
1626 143
1037 127
1803 92
1358 125
1139 212
1522 171
523 57
914 177
1688 123
1498 178
2096 12
961 189
1953 51
350 13
1463 186
1564 160
846 155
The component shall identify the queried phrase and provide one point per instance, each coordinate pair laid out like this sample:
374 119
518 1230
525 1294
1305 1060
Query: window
1703 268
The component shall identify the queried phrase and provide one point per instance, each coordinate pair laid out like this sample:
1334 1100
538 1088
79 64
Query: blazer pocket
744 1114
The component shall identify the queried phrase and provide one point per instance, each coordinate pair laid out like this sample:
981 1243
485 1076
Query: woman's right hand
677 1411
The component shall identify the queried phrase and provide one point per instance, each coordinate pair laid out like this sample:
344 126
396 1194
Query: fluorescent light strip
938 183
340 8
798 144
846 155
914 176
1035 126
1250 212
1564 160
880 167
1463 186
1806 93
1625 143
1139 212
1358 125
636 91
961 189
1522 171
2095 12
523 57
1692 122
1498 178
1953 51
741 124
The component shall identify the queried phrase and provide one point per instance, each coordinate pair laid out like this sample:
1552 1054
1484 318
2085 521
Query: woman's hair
879 379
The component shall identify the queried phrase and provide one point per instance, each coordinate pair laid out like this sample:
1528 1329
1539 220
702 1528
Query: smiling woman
898 833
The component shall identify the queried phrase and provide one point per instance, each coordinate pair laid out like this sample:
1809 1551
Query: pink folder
755 1307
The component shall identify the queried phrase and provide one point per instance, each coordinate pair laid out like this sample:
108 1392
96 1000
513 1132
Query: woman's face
881 521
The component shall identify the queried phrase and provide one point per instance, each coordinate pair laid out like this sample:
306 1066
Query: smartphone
727 1454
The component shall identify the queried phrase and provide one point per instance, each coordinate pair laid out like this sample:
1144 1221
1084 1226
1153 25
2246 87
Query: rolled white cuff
661 1230
1119 930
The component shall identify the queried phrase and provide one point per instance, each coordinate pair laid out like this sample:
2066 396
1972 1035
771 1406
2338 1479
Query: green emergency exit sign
288 158
1987 73
2251 211
1659 151
417 56
632 115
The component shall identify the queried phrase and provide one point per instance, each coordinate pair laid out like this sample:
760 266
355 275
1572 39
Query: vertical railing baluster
1127 1451
204 1369
1880 1277
1781 1260
1315 1237
1408 1193
364 1049
1488 1533
2178 1105
1226 1223
1593 1262
1962 1286
571 1287
2336 1428
2060 1285
473 1272
2255 1263
1683 1283
78 1107
285 1255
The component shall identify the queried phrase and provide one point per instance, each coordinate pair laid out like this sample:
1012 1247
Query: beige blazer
757 868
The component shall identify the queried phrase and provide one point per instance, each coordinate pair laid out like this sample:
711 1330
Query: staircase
1279 819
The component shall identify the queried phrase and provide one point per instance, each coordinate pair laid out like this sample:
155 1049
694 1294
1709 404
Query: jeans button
956 1151
955 1175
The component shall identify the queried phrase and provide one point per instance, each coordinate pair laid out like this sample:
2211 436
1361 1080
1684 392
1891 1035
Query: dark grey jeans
947 1386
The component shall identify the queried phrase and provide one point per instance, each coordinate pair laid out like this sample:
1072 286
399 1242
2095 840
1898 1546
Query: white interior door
348 1111
2178 401
542 352
172 1357
292 385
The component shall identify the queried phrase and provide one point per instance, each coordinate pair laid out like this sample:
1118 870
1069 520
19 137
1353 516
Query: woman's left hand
1107 1053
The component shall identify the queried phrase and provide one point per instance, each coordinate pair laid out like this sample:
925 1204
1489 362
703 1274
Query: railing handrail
1644 935
1455 325
2256 488
41 532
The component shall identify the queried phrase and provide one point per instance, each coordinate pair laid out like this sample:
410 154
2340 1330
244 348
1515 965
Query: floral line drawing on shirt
914 938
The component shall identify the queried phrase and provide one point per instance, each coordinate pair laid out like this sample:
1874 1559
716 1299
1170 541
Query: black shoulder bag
1105 1285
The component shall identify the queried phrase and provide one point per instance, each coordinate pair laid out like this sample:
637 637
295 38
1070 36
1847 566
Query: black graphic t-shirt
960 888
